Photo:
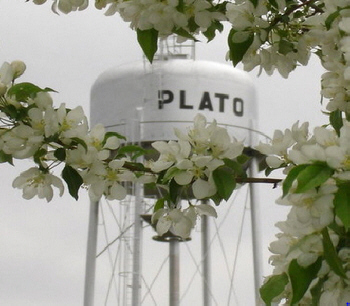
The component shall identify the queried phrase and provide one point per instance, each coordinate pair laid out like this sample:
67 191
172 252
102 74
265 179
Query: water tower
145 103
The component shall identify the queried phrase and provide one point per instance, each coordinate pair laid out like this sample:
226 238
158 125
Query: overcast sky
42 245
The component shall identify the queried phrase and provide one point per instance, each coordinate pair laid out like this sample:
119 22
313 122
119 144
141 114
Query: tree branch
254 180
293 8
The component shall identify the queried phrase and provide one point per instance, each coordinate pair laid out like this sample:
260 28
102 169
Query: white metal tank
145 102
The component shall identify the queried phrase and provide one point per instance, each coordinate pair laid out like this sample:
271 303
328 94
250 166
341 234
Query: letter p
164 97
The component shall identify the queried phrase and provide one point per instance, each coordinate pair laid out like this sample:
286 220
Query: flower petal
183 178
163 225
206 209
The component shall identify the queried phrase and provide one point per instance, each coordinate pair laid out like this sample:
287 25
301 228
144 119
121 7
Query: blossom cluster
193 158
272 35
315 233
166 17
335 55
191 163
65 6
31 128
192 16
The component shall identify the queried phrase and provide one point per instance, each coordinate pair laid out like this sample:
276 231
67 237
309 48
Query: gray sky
42 253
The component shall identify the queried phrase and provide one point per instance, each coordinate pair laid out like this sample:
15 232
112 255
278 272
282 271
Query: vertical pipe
206 279
138 210
90 265
174 273
136 272
256 234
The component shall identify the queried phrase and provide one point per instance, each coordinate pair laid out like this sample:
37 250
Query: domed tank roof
145 102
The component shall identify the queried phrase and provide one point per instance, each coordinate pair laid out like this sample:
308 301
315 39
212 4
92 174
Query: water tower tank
153 99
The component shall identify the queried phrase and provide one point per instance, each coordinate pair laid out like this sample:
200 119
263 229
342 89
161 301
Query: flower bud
39 2
100 4
18 68
3 89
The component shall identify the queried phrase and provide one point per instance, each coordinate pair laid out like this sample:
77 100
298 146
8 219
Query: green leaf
73 180
286 19
11 111
184 33
181 6
273 287
134 166
268 170
242 159
285 47
342 204
170 173
175 191
330 19
292 175
254 2
301 277
60 154
238 50
237 167
192 26
148 40
77 141
331 255
313 176
273 3
138 151
216 199
338 229
23 91
115 134
210 32
336 120
316 291
225 182
5 158
298 14
38 154
221 6
159 204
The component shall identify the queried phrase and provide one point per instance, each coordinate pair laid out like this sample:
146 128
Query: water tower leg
174 273
91 255
206 285
137 245
256 234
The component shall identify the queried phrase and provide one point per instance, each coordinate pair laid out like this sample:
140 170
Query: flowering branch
311 256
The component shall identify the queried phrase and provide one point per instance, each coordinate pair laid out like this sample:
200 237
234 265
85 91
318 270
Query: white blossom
21 141
180 222
174 220
42 100
67 6
107 180
310 212
36 183
9 72
71 123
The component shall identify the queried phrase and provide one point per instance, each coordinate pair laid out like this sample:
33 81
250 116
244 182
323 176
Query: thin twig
254 180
